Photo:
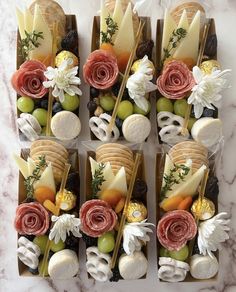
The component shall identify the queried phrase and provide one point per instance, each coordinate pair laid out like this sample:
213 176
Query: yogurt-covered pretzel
172 270
28 252
172 134
167 119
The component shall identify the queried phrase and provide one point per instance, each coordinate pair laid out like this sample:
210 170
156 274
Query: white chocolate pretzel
172 134
28 252
27 129
166 119
172 270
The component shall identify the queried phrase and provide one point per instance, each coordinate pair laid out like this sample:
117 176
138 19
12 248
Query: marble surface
224 13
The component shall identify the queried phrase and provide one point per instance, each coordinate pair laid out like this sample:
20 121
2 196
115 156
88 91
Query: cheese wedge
46 179
124 41
103 15
22 164
31 166
183 23
21 22
28 21
117 17
168 166
169 27
119 182
189 46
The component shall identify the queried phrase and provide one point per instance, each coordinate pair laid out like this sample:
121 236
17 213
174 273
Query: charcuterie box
138 204
176 258
26 240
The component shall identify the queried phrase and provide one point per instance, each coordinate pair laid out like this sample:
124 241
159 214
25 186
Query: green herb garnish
112 27
174 41
97 180
30 42
29 182
170 180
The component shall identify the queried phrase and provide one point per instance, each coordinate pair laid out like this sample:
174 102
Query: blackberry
209 113
34 271
70 42
57 107
116 275
73 182
89 241
94 92
91 106
212 188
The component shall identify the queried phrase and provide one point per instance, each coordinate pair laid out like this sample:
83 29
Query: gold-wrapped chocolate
66 200
136 212
204 209
66 55
209 66
136 65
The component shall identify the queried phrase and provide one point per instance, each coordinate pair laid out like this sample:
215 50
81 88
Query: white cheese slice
168 28
46 179
207 131
22 164
183 22
21 22
31 165
189 46
103 15
117 17
124 41
28 21
168 166
119 182
93 165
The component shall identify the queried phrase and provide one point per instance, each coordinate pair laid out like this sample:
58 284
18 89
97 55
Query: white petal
197 74
141 103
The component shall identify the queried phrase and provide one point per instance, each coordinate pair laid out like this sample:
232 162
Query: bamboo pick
50 96
57 212
125 77
123 217
199 61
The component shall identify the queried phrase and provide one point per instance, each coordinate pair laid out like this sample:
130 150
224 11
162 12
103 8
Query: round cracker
51 154
113 153
51 148
193 156
48 143
54 161
122 160
114 146
110 151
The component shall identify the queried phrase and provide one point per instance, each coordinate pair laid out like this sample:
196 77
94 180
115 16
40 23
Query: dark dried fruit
195 249
211 46
91 106
44 104
209 113
116 88
73 183
89 241
212 188
72 242
145 48
70 42
139 190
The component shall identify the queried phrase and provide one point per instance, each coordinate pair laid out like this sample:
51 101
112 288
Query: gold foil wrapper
136 65
209 66
66 55
66 200
136 212
204 209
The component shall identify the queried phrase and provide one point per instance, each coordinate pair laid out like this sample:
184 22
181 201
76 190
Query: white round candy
65 125
63 265
134 266
203 267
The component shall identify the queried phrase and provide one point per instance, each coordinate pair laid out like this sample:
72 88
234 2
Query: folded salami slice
176 228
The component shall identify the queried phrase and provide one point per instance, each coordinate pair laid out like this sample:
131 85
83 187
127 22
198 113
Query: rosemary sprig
97 180
112 27
170 180
30 180
30 42
174 41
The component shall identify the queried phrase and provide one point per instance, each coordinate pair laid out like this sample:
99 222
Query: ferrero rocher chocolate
66 200
209 66
136 65
66 55
204 209
136 212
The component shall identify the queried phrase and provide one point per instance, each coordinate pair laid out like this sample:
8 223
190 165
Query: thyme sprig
112 27
171 179
97 180
176 37
36 174
29 43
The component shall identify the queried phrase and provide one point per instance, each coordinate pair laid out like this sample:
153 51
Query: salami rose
97 217
101 69
28 79
32 219
175 81
176 228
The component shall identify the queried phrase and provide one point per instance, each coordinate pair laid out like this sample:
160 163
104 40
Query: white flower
63 225
207 91
139 84
63 80
212 233
134 235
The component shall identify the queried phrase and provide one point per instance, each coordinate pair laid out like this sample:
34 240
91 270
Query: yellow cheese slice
168 28
183 22
117 17
22 164
31 165
28 21
103 15
124 41
46 179
21 22
119 182
189 46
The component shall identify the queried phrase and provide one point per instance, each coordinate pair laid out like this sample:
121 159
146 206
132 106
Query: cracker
51 148
48 143
50 159
114 146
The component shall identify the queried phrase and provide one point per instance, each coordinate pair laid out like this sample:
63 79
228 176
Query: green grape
164 105
138 110
191 123
71 102
55 247
25 104
41 115
180 107
40 268
164 252
180 255
107 102
125 109
41 242
106 242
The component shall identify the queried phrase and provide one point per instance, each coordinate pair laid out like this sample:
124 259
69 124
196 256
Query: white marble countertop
224 13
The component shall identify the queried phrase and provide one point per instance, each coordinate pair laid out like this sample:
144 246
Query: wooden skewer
57 212
50 96
126 76
123 217
199 61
